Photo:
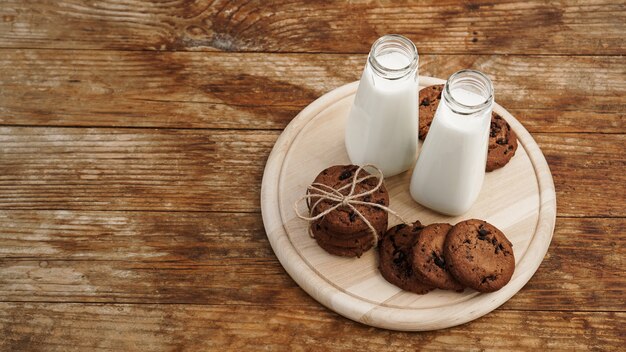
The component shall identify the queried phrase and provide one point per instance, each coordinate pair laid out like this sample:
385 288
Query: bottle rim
459 107
398 43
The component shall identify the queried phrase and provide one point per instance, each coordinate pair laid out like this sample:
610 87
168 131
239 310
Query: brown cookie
502 143
428 260
394 255
344 220
345 251
429 98
479 255
360 240
502 139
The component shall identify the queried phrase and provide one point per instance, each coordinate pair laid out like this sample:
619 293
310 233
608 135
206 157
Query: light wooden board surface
519 199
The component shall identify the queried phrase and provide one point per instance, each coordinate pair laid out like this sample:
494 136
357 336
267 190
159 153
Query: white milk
383 120
450 169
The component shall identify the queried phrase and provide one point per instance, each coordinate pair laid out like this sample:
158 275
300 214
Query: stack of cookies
473 253
502 139
342 231
416 258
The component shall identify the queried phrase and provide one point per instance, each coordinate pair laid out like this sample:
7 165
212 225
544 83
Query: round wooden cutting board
519 199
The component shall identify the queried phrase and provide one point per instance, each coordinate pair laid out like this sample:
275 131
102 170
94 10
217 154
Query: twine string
326 193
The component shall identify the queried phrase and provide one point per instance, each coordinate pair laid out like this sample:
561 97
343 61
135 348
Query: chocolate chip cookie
355 251
344 220
395 252
342 231
429 98
321 233
502 143
429 262
479 255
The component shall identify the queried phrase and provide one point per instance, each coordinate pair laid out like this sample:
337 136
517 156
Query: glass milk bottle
383 119
450 169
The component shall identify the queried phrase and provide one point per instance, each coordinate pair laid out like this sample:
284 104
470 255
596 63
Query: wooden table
134 136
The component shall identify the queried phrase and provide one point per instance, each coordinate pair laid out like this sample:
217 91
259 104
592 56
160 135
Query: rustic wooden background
133 136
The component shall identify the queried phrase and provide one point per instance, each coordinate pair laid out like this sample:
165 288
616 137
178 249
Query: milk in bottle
450 169
382 124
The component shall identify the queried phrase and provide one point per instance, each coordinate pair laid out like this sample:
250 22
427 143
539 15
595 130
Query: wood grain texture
265 91
71 327
505 27
207 170
209 281
589 177
197 258
75 168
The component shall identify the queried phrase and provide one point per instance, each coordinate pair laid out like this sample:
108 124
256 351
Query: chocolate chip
408 271
425 102
494 129
392 238
417 228
439 261
400 227
399 257
367 198
497 250
501 247
380 202
490 278
494 241
352 216
317 226
482 231
344 175
501 141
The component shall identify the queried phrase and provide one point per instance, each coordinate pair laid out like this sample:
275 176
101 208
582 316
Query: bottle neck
468 93
393 57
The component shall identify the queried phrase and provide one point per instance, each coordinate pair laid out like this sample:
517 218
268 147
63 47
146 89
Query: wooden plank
142 257
157 257
206 170
70 327
130 169
505 27
582 175
265 91
583 266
